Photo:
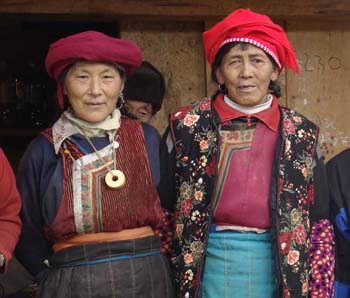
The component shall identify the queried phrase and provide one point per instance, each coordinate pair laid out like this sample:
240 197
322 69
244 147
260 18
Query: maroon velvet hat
91 46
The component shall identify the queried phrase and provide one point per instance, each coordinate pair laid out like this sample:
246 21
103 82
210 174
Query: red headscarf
91 46
243 25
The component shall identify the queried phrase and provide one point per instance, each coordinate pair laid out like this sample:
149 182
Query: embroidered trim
255 43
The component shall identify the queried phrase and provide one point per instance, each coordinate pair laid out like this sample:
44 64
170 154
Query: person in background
338 170
90 206
143 94
10 205
245 178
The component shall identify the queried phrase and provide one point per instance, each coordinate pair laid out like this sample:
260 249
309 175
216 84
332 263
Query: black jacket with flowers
298 196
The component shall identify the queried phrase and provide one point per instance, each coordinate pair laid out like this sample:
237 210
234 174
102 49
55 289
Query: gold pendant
115 179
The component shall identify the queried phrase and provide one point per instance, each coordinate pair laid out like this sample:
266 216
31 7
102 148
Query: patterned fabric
88 205
196 136
164 231
322 260
195 170
295 192
230 141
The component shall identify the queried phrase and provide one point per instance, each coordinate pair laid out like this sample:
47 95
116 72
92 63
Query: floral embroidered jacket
300 225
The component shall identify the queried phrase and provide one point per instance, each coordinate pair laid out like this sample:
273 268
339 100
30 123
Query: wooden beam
197 9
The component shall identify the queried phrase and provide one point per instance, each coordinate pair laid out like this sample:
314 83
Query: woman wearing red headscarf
90 205
249 196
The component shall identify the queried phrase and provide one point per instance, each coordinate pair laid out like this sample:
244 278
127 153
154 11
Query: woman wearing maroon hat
249 196
90 205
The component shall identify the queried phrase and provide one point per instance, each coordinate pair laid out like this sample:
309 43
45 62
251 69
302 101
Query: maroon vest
88 205
245 186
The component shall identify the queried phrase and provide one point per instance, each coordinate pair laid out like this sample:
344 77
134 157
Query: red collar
271 116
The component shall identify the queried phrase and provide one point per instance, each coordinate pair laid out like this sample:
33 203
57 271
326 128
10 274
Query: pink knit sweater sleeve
10 205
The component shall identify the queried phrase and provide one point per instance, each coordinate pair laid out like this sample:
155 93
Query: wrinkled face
141 110
92 89
246 74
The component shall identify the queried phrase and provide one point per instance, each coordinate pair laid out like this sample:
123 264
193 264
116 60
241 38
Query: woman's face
92 89
140 109
246 74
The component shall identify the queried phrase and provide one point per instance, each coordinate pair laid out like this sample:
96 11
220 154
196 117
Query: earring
121 101
222 88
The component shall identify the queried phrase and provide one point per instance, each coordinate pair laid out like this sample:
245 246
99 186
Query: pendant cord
97 152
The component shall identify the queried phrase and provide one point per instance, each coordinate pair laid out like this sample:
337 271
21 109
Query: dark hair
273 87
62 78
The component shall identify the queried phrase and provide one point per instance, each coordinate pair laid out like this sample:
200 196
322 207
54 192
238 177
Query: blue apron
239 265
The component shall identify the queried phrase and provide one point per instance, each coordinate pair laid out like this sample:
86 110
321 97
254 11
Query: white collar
64 128
250 110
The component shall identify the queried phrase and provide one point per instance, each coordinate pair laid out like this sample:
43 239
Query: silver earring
121 101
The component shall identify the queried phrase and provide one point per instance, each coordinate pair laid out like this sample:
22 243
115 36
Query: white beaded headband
255 43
